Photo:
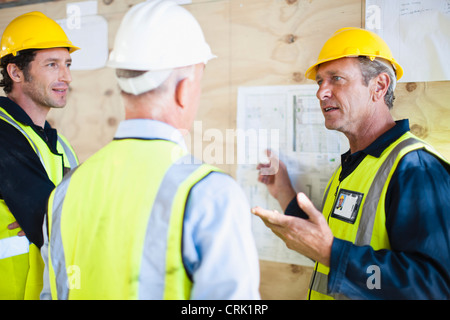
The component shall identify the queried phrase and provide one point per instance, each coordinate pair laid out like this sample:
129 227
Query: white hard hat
157 36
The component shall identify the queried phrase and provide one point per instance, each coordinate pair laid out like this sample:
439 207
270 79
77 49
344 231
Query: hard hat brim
41 46
312 71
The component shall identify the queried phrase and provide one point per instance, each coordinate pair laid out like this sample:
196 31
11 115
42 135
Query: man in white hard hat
141 219
390 239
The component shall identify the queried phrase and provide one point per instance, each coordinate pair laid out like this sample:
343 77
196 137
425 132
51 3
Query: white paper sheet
418 33
89 31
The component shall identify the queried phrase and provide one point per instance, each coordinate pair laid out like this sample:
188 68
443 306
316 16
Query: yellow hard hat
354 42
33 30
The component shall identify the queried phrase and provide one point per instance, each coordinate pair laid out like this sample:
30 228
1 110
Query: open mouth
328 109
59 90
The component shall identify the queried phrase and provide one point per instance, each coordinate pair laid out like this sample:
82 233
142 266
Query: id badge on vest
347 205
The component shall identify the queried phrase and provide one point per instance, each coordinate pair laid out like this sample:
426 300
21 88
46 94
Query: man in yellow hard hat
391 239
143 219
35 65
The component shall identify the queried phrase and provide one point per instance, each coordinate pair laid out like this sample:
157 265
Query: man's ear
380 86
15 73
182 92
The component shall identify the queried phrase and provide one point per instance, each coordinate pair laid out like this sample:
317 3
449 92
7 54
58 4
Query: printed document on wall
418 34
288 120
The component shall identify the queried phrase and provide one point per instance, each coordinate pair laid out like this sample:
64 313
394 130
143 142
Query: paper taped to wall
418 33
88 31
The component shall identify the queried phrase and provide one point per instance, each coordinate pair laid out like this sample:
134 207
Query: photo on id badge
347 205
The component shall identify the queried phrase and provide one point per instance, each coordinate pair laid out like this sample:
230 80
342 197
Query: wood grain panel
258 42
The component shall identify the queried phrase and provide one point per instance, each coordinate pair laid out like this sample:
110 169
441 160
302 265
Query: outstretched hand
311 237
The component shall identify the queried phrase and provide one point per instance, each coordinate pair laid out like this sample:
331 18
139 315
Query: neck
147 107
37 113
369 132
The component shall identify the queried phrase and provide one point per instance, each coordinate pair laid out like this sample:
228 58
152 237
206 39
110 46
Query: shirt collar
15 111
149 129
18 113
377 147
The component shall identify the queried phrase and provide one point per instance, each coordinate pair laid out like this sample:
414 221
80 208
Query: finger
260 212
266 163
262 165
307 206
265 217
265 179
262 178
271 168
13 225
270 216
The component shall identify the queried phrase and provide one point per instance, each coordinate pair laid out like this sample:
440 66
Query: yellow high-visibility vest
363 221
21 265
123 204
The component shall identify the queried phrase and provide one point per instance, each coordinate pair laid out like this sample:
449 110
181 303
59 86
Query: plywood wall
258 42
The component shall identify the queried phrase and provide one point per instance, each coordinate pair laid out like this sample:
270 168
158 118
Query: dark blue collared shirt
418 226
25 185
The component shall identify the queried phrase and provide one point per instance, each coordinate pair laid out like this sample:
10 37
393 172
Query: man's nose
324 92
65 75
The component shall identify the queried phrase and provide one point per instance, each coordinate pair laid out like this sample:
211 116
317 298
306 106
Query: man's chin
57 105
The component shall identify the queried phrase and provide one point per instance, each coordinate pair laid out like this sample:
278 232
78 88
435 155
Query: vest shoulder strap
6 117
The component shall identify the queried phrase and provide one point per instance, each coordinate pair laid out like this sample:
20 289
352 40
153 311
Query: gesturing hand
311 237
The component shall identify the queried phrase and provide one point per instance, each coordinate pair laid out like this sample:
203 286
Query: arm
25 185
218 246
418 225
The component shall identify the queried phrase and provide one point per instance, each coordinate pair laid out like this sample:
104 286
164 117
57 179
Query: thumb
308 207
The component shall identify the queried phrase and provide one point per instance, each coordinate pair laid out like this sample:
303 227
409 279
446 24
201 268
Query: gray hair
370 69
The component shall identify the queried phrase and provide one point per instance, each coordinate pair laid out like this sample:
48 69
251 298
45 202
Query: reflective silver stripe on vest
13 246
369 210
159 224
70 155
325 195
57 250
319 281
15 125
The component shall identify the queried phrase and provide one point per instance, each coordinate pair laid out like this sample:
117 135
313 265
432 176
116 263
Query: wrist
286 197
